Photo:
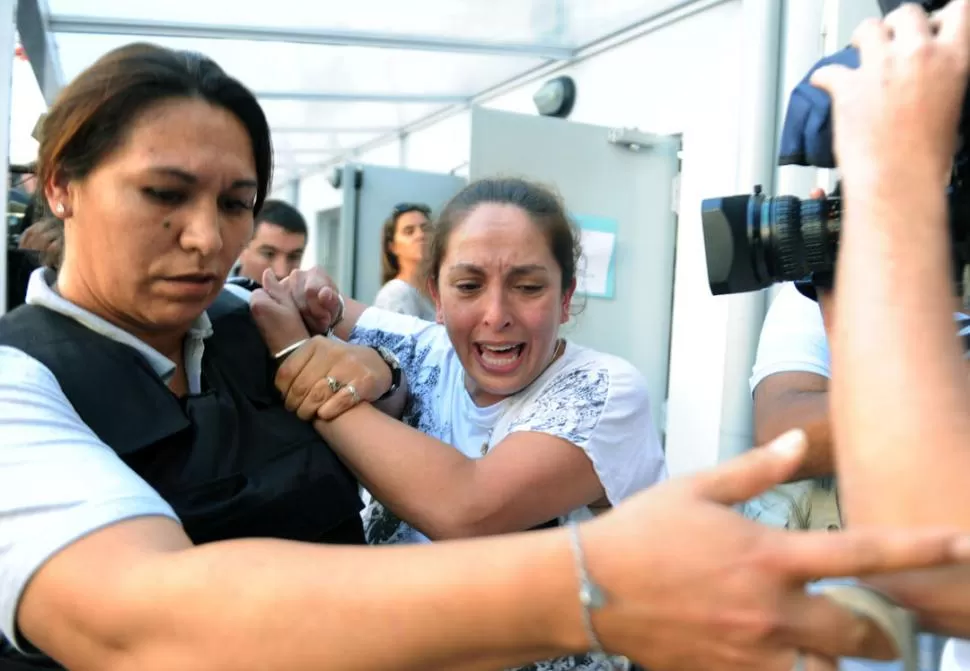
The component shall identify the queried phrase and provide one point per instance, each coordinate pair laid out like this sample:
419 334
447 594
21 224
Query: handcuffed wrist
339 316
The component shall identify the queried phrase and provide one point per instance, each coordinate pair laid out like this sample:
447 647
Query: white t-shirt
399 296
792 338
593 400
58 481
956 656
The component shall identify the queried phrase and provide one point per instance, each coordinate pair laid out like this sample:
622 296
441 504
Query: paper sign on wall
596 267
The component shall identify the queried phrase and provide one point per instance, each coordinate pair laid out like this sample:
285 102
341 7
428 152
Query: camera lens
752 242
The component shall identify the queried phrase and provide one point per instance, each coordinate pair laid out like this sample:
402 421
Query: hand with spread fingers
717 591
324 378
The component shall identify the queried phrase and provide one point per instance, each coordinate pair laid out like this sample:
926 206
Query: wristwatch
395 366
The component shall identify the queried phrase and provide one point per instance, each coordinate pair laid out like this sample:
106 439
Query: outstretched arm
137 595
900 393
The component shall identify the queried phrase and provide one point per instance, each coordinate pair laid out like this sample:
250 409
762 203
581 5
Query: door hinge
633 139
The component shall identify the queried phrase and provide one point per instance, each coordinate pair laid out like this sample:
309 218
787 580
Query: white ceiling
333 75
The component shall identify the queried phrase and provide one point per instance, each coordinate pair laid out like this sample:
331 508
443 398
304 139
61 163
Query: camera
753 241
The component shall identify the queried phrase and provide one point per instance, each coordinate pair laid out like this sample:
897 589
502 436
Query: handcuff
340 315
898 624
280 356
386 355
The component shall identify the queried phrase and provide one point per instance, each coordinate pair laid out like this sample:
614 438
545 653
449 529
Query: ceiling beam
347 97
290 151
326 36
36 38
348 130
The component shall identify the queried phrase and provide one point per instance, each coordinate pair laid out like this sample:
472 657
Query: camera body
753 241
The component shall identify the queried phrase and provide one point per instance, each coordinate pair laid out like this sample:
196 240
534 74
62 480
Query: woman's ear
58 192
567 300
432 289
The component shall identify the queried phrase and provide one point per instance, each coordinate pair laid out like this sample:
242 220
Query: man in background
279 241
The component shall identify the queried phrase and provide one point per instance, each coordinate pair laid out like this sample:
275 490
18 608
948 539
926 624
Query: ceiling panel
496 20
399 69
304 143
569 23
278 67
292 113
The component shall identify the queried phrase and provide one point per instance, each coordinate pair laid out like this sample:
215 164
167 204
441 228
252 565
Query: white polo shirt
58 480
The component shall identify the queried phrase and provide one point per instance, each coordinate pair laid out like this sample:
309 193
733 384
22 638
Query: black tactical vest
231 461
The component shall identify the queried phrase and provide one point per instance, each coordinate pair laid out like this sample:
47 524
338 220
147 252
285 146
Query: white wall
440 148
315 195
26 106
684 78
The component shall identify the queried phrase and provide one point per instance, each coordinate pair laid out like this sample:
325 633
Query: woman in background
402 257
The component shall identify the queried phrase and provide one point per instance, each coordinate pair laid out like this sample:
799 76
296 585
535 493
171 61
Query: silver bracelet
591 596
289 349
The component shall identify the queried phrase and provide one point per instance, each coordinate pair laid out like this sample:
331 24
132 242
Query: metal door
620 182
369 194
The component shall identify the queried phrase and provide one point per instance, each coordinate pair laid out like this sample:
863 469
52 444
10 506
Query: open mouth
500 358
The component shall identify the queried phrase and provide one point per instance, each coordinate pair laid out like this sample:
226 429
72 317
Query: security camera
556 97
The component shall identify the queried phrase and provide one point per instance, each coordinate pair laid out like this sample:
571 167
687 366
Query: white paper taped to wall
596 267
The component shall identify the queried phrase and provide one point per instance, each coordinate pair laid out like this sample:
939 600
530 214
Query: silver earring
60 208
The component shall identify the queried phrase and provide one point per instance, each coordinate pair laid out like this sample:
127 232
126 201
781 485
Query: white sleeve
413 341
602 407
397 297
792 338
58 481
956 656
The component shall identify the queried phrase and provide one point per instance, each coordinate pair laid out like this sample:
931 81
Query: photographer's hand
898 112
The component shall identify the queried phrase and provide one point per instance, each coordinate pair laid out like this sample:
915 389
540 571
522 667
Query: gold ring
353 393
333 384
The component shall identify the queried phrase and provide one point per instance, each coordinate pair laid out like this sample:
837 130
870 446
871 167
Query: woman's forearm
260 604
900 395
343 608
423 480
